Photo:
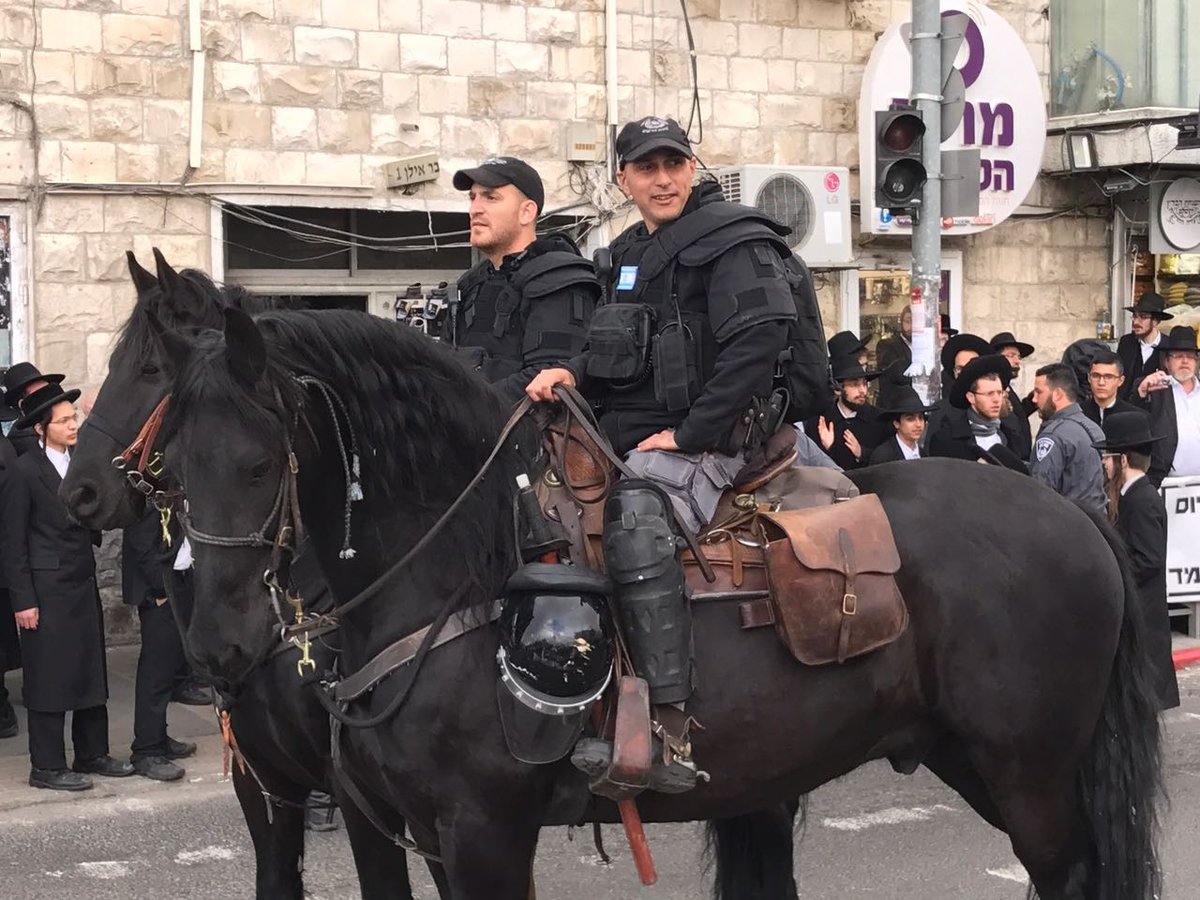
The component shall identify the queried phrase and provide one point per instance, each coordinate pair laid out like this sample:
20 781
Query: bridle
140 452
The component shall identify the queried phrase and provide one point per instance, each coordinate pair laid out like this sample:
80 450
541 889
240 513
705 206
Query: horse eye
260 470
149 369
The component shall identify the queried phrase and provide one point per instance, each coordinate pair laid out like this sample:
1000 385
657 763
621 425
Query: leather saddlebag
832 574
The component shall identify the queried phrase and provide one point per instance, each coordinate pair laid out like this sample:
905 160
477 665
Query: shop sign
1179 214
1182 499
1004 118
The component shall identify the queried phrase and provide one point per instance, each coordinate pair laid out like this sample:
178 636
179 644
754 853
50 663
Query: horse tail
752 854
1120 778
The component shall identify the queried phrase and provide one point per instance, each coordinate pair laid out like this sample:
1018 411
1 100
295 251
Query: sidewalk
192 723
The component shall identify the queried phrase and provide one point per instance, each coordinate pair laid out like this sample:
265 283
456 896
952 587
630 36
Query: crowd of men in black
678 337
55 631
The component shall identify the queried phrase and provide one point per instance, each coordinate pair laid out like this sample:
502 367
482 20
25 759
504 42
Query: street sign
412 170
1182 499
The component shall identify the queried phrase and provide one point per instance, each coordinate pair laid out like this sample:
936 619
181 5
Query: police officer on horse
527 303
682 361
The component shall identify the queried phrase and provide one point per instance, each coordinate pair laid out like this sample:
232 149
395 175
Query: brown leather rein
148 459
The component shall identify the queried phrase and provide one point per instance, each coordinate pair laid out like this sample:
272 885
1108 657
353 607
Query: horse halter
148 460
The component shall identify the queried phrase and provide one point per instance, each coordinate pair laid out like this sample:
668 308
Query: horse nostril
84 500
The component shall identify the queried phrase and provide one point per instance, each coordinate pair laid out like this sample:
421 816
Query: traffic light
899 170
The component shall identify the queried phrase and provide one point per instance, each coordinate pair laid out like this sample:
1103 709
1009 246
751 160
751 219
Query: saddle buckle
849 604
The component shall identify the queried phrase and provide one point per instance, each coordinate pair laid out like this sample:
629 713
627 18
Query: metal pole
927 230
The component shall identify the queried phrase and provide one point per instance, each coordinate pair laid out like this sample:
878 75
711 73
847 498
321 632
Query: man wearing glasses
1139 350
1064 454
1106 377
973 424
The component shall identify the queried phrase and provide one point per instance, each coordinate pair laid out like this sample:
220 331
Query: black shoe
593 756
59 780
179 749
104 765
157 768
192 694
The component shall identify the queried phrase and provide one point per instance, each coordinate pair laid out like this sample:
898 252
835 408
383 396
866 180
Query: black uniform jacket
1161 406
1142 522
735 307
889 451
50 566
1092 410
144 558
1135 369
10 646
955 440
866 426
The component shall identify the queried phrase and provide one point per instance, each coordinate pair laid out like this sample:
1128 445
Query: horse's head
96 492
229 441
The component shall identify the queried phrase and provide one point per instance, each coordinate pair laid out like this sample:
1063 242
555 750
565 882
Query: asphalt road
873 835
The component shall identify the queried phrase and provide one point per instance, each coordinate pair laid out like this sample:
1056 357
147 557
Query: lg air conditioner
814 201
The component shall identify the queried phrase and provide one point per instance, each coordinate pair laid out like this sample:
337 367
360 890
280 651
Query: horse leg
754 855
487 854
382 866
278 839
948 760
1042 815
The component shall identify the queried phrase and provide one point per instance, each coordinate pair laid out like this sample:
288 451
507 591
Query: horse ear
168 279
174 347
142 280
245 350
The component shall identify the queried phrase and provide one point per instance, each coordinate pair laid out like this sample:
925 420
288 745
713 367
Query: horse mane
422 421
204 307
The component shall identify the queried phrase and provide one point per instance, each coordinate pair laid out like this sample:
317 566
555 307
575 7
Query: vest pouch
676 367
619 343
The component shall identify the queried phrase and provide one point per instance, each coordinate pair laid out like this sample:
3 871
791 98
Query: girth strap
405 650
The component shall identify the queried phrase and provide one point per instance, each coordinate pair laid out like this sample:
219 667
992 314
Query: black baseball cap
637 139
497 171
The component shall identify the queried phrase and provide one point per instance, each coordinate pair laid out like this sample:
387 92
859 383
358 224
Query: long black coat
145 557
1092 410
1019 426
954 438
1142 522
866 426
49 564
889 451
1135 369
10 645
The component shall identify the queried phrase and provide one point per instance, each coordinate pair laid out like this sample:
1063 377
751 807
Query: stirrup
593 757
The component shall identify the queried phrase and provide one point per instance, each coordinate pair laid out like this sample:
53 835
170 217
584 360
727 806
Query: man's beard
853 407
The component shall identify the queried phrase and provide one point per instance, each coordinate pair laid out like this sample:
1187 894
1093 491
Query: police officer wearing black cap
526 305
682 362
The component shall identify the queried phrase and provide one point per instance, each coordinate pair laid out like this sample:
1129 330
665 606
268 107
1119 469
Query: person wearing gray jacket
1064 455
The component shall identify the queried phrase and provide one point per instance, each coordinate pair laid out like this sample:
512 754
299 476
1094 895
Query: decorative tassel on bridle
351 462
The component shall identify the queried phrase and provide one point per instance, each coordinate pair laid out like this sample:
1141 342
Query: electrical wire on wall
695 114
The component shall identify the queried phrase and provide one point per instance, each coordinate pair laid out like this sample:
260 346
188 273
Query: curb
1185 657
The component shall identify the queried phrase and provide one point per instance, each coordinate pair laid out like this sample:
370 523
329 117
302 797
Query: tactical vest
493 306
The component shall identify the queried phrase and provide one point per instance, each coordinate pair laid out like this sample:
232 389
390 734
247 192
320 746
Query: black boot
640 551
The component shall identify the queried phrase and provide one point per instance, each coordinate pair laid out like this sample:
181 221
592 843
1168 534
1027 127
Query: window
1109 55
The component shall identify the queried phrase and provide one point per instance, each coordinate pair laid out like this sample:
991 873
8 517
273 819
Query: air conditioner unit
814 201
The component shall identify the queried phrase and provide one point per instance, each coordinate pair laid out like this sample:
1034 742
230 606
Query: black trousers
89 734
184 600
158 664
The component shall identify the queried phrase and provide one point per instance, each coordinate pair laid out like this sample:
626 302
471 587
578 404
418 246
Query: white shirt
846 413
1129 482
1147 349
907 451
183 559
60 459
1187 420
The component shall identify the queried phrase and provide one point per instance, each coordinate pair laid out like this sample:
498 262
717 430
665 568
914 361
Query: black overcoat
10 645
1142 522
49 564
889 451
1129 350
955 440
867 427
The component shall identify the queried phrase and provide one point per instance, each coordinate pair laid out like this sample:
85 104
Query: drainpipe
603 232
197 119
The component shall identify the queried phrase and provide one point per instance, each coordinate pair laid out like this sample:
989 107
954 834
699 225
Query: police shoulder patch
1043 447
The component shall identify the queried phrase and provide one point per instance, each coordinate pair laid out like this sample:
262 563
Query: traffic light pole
927 230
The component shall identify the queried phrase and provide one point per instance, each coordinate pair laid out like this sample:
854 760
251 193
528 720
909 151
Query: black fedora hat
846 343
1151 303
1126 431
904 400
845 368
1007 339
43 399
20 375
960 342
991 364
1182 337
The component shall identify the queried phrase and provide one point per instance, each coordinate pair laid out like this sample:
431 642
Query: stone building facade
304 101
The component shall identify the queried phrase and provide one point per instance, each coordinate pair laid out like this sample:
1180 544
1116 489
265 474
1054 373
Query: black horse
280 728
1020 681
